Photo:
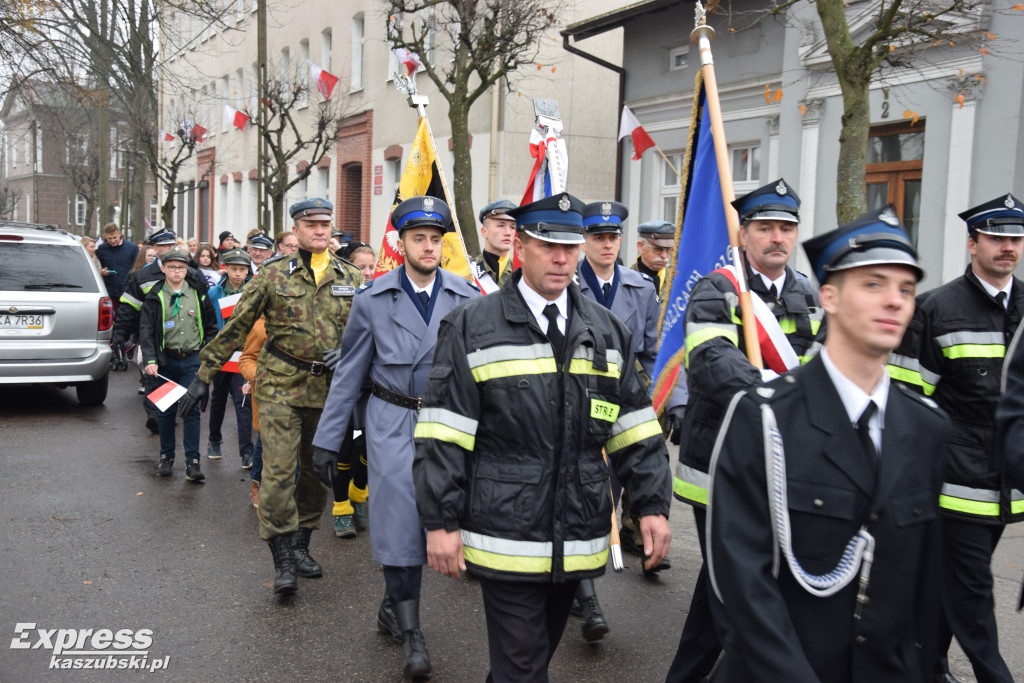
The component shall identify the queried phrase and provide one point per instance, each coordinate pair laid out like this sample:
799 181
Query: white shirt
536 303
993 291
768 282
855 400
429 288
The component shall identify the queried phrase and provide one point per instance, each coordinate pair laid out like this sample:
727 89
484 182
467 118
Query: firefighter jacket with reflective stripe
509 439
717 365
953 351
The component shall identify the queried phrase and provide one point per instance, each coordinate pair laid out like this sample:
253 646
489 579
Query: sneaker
142 388
359 516
192 472
343 527
164 468
213 451
247 461
152 425
254 493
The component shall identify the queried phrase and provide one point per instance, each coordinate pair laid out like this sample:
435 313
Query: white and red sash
484 279
777 352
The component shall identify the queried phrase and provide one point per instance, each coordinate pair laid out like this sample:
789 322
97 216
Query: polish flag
238 119
409 59
198 132
167 137
630 126
227 305
166 395
325 82
232 364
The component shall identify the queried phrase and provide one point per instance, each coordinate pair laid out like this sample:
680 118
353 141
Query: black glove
198 394
331 357
323 462
674 423
117 340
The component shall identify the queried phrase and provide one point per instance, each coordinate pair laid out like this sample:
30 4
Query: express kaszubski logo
87 648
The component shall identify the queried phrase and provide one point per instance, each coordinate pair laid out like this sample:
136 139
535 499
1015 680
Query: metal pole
261 113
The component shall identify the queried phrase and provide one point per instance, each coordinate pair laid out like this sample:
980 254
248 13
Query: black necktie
424 299
864 433
606 289
1001 298
554 334
773 291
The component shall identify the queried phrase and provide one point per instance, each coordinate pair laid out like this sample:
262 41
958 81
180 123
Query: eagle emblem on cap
428 204
889 217
606 209
1008 203
563 203
780 189
319 202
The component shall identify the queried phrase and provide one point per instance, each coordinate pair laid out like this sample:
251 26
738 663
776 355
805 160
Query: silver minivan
55 315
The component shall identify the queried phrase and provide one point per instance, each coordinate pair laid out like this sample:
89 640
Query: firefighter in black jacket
953 351
510 478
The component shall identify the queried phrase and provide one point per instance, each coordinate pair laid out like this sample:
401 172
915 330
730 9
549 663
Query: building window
79 209
746 167
670 187
677 58
358 40
154 212
286 65
225 96
893 172
325 49
302 97
324 182
395 166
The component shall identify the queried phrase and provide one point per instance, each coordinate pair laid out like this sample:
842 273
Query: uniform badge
343 290
319 202
780 189
428 204
889 217
563 203
765 392
1008 202
292 265
606 210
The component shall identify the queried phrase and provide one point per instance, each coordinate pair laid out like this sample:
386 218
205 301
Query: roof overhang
612 20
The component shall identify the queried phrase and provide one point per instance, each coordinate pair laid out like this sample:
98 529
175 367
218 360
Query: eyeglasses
175 268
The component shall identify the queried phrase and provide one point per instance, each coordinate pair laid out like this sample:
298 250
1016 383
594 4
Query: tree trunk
851 189
137 200
462 180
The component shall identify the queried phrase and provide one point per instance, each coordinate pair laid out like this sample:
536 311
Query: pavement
95 541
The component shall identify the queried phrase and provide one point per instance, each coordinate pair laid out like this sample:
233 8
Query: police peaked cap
876 238
498 209
163 237
236 257
558 218
774 202
601 217
429 212
311 207
1001 216
342 236
261 241
660 233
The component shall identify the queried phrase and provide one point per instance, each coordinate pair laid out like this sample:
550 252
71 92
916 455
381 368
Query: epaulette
272 259
920 398
365 286
645 276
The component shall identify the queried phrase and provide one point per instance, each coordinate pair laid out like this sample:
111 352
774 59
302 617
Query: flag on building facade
410 60
325 81
630 127
702 245
236 118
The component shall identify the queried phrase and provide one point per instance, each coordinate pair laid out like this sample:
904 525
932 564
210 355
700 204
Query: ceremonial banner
702 245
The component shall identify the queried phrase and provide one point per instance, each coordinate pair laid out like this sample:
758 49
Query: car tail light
106 314
11 238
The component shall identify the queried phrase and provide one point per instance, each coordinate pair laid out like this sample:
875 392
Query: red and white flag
236 118
410 60
325 82
227 305
166 137
232 363
631 126
166 395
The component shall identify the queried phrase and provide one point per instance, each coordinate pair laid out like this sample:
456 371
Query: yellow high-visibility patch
602 410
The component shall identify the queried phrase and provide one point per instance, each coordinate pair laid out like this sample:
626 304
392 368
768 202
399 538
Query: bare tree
8 200
474 43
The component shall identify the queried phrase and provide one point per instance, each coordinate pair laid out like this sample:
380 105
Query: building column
958 178
808 188
773 145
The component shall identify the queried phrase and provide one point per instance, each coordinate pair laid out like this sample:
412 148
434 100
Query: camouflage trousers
287 502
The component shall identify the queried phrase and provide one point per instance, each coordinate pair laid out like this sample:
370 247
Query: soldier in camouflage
305 299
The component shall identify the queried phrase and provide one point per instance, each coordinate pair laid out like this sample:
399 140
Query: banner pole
701 36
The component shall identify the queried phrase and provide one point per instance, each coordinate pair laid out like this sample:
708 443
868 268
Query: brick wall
352 207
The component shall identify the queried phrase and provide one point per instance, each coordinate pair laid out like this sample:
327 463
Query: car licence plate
20 322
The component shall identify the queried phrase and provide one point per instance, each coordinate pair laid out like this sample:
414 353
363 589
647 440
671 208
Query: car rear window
45 267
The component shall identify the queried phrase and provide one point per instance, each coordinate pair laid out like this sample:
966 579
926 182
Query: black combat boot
306 566
387 622
284 564
417 659
592 622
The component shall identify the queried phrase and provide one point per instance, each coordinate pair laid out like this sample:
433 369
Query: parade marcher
528 385
654 251
390 336
116 255
954 352
630 296
260 248
305 299
497 228
175 322
717 367
137 286
208 259
226 242
225 383
823 523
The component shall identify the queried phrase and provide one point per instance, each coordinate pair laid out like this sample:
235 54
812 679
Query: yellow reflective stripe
972 507
127 298
580 366
815 326
450 418
787 324
633 435
505 352
685 489
436 430
506 554
974 351
510 368
577 563
507 563
700 333
1016 507
735 318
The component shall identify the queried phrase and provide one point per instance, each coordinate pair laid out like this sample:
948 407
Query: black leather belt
315 368
179 355
400 400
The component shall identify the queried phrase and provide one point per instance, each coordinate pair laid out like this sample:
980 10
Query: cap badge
319 202
563 203
889 217
606 209
428 204
1008 203
780 189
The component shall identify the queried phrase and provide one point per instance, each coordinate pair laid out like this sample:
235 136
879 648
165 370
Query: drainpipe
622 98
492 172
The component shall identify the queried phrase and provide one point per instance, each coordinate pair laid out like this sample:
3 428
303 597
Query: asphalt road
93 540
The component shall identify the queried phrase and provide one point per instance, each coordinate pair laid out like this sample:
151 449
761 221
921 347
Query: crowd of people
847 496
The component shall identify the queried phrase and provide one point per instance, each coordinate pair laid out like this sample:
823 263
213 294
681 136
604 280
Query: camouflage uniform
303 320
